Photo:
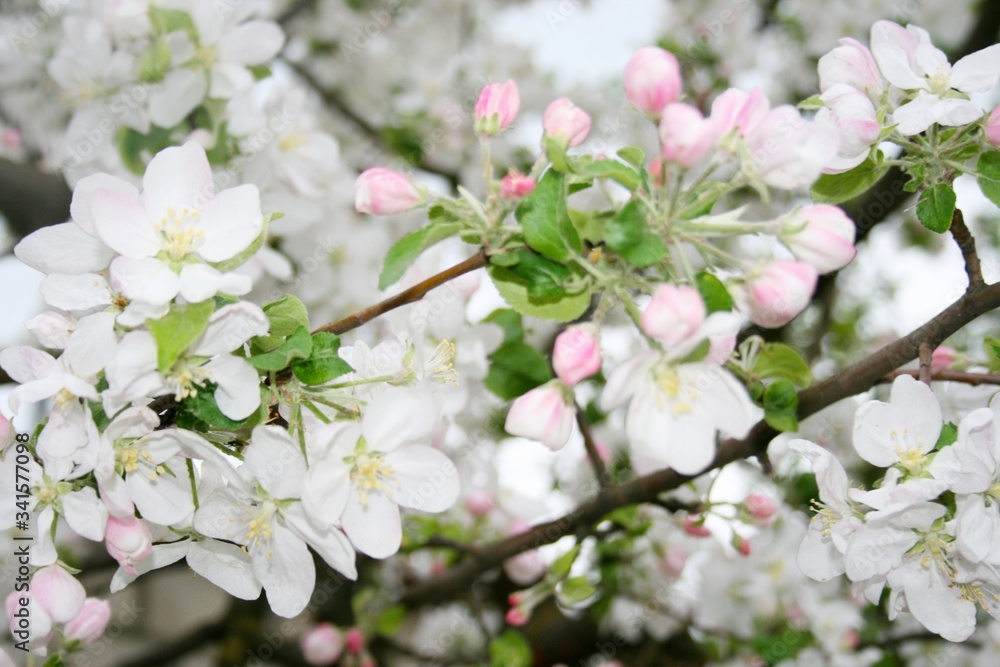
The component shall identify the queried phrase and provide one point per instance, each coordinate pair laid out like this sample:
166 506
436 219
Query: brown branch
410 295
967 244
849 381
973 379
926 357
596 462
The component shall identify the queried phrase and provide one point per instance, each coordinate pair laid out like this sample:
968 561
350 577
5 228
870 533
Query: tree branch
596 462
849 381
967 244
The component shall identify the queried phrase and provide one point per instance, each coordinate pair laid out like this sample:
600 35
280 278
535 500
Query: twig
974 379
410 295
596 462
967 244
926 355
847 382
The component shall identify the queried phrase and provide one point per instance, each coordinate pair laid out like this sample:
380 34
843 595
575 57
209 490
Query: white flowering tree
403 357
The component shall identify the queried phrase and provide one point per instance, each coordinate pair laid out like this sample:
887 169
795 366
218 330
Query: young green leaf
836 188
297 346
510 321
516 369
936 207
563 307
629 236
406 250
545 219
510 649
777 360
286 315
988 167
176 330
634 155
323 364
781 404
613 169
713 292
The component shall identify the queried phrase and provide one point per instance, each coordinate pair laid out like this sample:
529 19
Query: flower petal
225 565
428 480
177 177
286 570
374 528
231 221
63 248
123 224
251 43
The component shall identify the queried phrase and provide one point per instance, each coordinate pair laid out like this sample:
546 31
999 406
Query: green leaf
561 567
286 315
510 321
992 348
575 590
324 364
176 330
389 620
629 236
812 103
555 150
297 346
634 155
936 207
836 188
988 167
406 250
154 61
546 223
781 404
170 20
514 289
510 649
259 72
203 407
542 277
949 435
714 293
55 660
777 360
613 169
516 369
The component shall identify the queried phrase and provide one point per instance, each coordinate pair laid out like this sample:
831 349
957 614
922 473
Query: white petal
92 345
231 222
935 602
222 515
955 112
83 191
229 80
427 479
180 93
161 556
26 364
252 43
85 513
923 412
122 223
230 327
830 475
625 380
375 527
147 280
238 393
165 500
177 177
817 557
876 549
198 282
225 565
76 292
973 527
63 248
331 544
691 445
915 116
276 462
326 490
398 416
287 572
977 71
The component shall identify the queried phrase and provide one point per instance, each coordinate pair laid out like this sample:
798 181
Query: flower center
184 379
371 474
180 232
63 399
440 367
207 55
679 396
291 141
130 457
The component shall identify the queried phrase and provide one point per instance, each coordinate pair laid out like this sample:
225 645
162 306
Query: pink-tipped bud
89 624
852 64
496 108
543 414
354 641
516 617
577 353
993 127
674 314
740 110
129 541
322 645
652 80
516 185
655 169
943 357
381 191
564 120
686 136
742 545
479 503
515 599
695 527
58 593
778 293
821 235
760 506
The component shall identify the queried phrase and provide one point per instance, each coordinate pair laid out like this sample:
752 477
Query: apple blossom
322 644
385 192
739 110
686 136
496 108
850 64
760 506
652 80
820 235
993 127
853 116
901 432
564 121
545 414
576 354
775 294
787 151
90 623
674 314
516 185
58 593
129 541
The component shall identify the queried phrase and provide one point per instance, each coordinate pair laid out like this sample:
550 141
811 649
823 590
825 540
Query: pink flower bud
652 80
564 120
89 624
543 414
943 357
742 545
993 127
496 108
695 527
738 109
852 64
516 185
686 136
10 139
58 593
322 645
577 353
778 293
760 506
385 192
479 503
516 598
852 115
674 314
354 641
129 541
655 169
820 235
516 617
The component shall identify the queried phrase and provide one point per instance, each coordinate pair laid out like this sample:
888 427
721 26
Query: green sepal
175 331
297 346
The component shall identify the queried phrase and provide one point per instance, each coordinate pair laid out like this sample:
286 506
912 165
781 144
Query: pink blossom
852 115
652 80
821 235
742 545
695 527
58 593
789 152
760 506
90 623
516 616
852 64
385 192
576 354
738 109
516 185
496 108
479 502
686 136
322 645
943 357
993 127
674 314
129 541
564 120
779 292
544 414
354 641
